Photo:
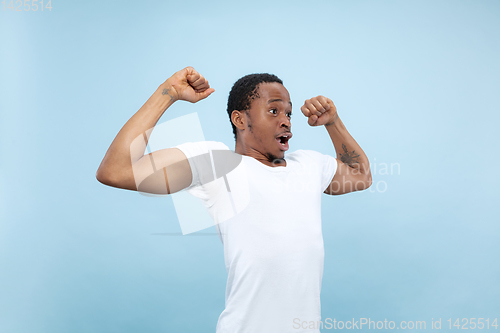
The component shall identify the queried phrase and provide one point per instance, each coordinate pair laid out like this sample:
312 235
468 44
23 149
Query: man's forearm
347 149
129 144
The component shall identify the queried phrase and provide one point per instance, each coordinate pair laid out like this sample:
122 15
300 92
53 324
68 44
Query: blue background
415 82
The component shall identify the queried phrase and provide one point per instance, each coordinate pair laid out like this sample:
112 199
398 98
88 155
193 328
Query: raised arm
161 172
353 168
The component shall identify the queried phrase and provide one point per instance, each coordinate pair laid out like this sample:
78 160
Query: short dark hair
244 91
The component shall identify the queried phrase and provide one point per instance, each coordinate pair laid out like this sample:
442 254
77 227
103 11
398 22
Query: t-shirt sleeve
198 155
327 167
207 185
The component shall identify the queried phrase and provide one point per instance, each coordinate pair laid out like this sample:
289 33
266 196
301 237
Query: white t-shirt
271 232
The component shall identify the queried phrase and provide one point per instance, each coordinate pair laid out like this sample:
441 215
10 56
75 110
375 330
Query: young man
273 246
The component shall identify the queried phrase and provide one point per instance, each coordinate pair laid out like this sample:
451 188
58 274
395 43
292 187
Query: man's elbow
106 178
102 177
115 179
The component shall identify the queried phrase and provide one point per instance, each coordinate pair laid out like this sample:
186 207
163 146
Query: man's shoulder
191 149
207 144
310 157
305 154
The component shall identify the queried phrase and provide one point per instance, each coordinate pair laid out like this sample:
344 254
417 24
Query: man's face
269 128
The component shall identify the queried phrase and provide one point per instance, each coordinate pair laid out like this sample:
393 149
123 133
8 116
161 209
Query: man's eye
289 114
273 111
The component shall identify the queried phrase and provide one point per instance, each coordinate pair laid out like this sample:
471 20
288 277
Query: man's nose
285 121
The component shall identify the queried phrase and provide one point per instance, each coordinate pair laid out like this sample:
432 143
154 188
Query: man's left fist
319 110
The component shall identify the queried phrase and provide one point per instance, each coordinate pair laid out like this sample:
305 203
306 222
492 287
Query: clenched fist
187 85
320 110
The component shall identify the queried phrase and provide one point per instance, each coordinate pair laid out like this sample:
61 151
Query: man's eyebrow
277 100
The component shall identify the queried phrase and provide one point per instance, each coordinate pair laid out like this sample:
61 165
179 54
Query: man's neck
266 159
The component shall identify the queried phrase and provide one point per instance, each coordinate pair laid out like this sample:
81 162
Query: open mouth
282 140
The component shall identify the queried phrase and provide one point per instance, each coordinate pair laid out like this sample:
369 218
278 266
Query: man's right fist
187 85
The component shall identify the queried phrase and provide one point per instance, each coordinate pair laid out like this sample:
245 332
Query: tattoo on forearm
167 92
349 158
334 120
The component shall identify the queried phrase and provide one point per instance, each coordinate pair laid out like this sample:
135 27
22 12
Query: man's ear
239 118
